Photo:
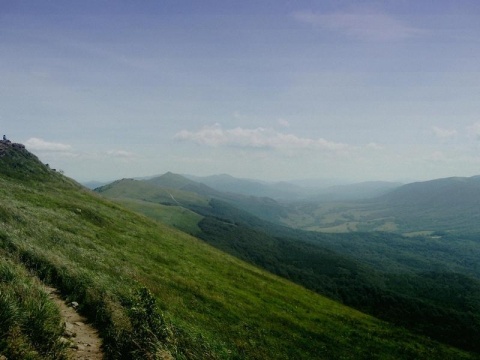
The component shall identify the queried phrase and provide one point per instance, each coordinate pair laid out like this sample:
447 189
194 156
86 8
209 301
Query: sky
270 90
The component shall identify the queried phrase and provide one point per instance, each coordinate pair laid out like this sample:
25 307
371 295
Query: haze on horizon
271 90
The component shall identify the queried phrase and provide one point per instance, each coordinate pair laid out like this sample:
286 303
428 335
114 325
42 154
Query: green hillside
263 207
418 208
148 191
386 275
169 205
155 292
173 215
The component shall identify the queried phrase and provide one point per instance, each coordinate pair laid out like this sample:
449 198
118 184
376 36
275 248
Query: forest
441 304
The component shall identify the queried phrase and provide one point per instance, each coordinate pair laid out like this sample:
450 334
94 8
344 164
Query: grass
129 188
176 216
30 324
154 291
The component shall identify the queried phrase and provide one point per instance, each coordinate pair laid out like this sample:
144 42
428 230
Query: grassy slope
162 204
387 252
30 324
262 207
143 190
445 308
381 290
176 216
215 305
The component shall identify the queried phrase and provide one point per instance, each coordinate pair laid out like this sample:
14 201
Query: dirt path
85 342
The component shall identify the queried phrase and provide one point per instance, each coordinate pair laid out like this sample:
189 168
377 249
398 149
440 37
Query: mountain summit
17 162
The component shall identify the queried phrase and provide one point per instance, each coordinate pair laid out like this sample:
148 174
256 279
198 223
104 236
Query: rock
69 333
74 304
67 342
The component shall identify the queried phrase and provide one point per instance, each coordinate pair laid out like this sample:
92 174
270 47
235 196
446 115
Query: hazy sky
277 89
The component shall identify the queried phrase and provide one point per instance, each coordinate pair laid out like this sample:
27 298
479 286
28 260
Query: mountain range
448 204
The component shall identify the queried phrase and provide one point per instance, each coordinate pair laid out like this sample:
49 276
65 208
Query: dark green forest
442 305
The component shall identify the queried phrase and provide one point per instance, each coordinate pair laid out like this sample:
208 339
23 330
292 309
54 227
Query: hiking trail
84 341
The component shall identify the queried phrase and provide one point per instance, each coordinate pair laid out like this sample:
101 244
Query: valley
366 268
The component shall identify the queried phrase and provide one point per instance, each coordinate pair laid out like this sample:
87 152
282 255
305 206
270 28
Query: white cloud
37 144
122 154
363 25
444 133
374 146
259 138
210 135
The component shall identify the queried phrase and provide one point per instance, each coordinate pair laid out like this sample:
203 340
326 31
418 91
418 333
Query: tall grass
30 324
128 321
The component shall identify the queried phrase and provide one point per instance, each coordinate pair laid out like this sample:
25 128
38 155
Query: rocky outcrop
17 162
7 144
18 146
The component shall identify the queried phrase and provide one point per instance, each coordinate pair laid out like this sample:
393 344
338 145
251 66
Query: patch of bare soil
82 338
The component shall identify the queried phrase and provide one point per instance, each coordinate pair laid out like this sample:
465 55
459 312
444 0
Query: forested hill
439 193
438 205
